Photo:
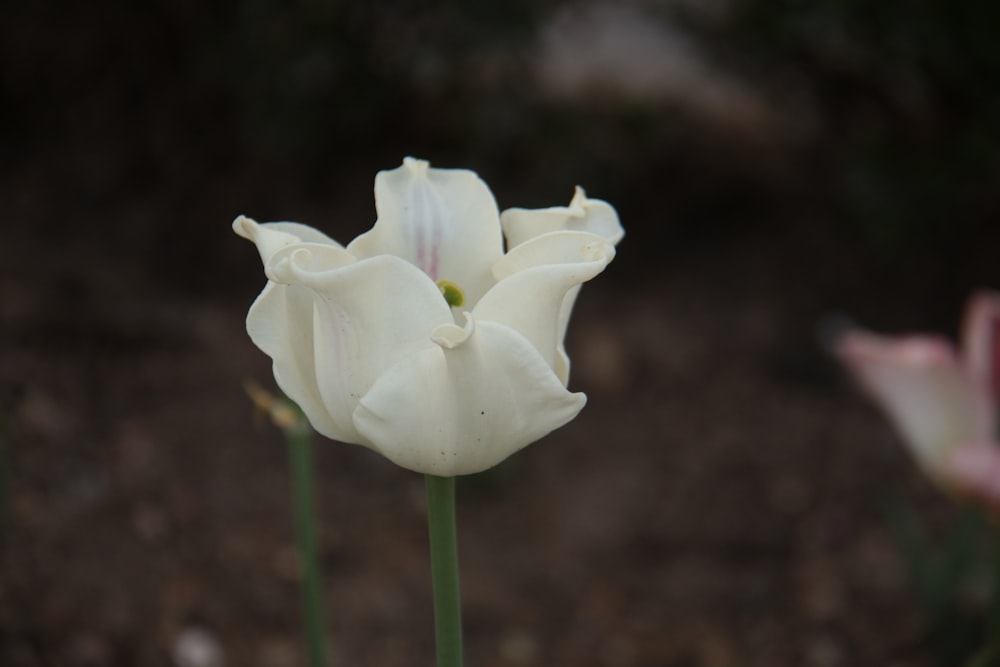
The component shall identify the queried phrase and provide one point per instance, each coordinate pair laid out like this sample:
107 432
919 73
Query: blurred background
776 164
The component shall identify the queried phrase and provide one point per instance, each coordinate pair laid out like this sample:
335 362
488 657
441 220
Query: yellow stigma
452 293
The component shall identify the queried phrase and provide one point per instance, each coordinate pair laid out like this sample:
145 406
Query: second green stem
299 442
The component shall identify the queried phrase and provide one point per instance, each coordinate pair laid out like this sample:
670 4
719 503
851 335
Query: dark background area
718 501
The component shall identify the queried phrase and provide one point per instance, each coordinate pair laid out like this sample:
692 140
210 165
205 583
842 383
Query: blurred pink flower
942 400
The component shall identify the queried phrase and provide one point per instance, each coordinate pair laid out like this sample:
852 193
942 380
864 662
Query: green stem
444 570
304 496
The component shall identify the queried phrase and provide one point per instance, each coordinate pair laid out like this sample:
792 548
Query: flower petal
444 221
366 316
280 324
923 389
537 285
582 214
463 405
271 237
981 339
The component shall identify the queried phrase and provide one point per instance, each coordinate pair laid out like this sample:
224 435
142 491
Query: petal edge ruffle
462 410
538 284
583 214
367 316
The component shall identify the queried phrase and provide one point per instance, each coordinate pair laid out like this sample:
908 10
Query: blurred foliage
956 580
909 93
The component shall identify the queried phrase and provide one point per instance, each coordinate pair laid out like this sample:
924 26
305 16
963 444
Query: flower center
452 293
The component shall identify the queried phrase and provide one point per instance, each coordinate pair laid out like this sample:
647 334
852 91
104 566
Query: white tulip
421 339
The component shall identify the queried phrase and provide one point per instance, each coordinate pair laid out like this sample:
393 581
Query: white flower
364 340
942 401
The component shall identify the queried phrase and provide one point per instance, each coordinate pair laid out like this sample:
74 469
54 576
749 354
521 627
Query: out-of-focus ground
718 502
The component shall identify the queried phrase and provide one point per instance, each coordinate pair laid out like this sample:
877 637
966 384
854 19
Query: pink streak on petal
432 270
421 250
425 226
335 319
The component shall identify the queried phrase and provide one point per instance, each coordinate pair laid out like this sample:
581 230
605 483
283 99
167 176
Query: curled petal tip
245 227
289 266
450 336
416 165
